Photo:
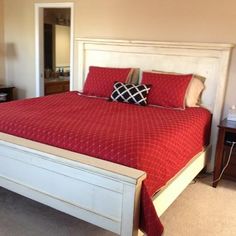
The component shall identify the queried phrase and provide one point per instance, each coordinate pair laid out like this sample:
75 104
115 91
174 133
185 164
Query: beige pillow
194 91
134 79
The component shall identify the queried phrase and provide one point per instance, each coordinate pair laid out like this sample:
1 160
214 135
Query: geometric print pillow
130 93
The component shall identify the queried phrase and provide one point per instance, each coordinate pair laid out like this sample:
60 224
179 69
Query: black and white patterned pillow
130 93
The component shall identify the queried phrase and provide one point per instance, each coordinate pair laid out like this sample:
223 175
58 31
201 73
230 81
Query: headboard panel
206 59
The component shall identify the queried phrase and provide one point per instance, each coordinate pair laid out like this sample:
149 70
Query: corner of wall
2 58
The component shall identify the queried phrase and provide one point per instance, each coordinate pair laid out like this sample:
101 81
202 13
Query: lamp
1 50
11 51
9 54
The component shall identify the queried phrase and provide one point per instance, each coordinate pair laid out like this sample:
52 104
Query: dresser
226 138
52 86
6 93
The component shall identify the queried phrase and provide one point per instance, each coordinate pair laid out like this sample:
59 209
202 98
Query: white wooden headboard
206 59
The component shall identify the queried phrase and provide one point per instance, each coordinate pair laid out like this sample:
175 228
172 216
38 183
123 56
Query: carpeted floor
200 211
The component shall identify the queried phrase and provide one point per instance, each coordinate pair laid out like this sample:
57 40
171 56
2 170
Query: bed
97 178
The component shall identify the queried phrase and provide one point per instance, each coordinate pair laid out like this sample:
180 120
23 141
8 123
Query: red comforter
156 140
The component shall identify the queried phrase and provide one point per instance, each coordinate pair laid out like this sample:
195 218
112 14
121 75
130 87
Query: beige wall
2 65
163 20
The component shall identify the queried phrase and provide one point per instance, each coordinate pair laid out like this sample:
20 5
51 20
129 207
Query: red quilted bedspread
156 140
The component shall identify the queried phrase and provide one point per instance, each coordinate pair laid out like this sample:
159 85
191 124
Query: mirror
56 42
56 49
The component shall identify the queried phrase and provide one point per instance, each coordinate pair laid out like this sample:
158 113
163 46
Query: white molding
37 56
38 6
72 48
188 45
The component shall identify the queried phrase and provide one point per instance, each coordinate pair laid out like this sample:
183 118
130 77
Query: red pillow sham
100 80
168 90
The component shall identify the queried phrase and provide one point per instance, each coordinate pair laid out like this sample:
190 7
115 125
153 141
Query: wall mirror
56 50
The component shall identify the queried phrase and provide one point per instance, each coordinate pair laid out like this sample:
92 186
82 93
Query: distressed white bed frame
100 192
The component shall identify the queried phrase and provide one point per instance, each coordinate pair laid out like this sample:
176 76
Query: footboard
101 196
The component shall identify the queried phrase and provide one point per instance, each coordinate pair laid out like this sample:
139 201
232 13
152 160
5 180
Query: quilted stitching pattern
130 93
100 80
157 140
168 90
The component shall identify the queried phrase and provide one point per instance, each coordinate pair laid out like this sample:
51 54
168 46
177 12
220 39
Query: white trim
189 45
38 6
37 57
72 48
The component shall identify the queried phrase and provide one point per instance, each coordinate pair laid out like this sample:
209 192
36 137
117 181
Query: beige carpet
200 211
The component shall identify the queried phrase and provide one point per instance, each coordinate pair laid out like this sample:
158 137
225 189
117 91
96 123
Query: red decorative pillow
100 80
168 90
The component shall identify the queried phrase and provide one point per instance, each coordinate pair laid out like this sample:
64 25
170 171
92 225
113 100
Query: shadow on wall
10 53
2 69
1 50
20 93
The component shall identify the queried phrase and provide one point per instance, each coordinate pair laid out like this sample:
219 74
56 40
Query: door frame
39 67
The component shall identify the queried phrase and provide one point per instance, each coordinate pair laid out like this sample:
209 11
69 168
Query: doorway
54 47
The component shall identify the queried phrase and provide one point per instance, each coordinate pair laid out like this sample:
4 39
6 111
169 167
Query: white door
39 43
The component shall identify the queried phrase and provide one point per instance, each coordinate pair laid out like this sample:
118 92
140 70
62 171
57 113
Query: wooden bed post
130 210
